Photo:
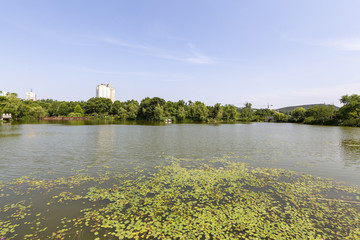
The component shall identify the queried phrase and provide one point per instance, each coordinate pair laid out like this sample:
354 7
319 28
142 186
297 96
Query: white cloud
191 56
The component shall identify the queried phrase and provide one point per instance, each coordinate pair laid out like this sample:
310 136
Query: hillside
291 108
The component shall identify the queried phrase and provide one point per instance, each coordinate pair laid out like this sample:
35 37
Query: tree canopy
158 109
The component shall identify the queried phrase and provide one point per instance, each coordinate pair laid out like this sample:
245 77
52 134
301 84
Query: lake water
56 150
48 172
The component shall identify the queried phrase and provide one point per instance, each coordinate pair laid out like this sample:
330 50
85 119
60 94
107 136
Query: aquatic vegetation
188 199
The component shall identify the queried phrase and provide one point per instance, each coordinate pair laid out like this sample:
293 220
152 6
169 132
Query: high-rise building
105 91
30 96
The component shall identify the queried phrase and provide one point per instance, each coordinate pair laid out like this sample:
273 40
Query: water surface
56 150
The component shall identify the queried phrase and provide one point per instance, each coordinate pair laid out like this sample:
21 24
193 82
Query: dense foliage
149 109
347 115
158 109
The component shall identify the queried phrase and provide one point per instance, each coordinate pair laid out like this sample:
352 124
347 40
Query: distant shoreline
64 118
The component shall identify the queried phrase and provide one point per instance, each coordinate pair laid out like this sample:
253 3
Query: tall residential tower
105 91
30 96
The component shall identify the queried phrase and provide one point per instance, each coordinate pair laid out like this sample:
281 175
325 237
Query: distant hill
291 108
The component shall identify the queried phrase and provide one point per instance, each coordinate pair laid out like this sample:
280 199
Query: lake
331 152
93 180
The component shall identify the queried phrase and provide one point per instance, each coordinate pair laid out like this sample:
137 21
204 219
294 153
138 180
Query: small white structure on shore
5 116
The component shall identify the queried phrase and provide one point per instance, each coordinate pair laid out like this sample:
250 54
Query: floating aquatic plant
192 199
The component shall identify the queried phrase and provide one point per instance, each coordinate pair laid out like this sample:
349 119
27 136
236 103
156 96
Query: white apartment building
105 91
30 96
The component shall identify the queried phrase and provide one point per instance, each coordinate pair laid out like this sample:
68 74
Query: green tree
98 106
37 112
180 110
116 107
64 109
230 113
119 109
47 100
216 111
14 106
158 113
78 112
320 114
3 101
247 113
123 114
44 105
170 109
181 113
351 108
151 109
298 115
198 111
78 109
280 117
132 108
54 108
263 113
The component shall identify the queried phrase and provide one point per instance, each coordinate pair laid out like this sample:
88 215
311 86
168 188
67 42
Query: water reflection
351 148
349 143
105 143
8 128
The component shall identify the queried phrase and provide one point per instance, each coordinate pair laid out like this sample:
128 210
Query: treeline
347 115
150 109
157 109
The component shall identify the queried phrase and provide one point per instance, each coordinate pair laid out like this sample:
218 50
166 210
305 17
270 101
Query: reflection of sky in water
322 151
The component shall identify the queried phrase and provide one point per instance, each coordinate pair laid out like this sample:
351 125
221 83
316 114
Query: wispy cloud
192 55
126 44
142 75
344 44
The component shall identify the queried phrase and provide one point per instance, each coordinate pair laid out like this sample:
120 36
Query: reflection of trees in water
351 148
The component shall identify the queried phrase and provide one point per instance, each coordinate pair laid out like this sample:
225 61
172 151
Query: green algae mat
181 199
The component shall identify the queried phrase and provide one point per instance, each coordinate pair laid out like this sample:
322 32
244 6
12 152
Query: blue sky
265 52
